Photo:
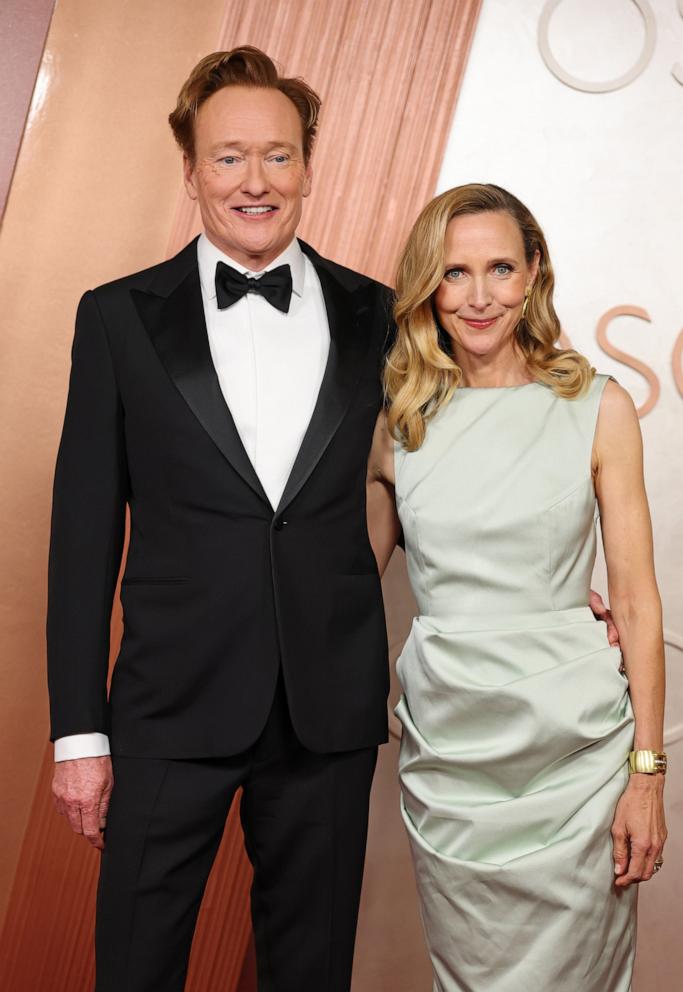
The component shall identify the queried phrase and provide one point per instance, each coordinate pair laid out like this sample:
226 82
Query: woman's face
479 302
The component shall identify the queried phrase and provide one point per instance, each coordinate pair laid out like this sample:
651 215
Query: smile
479 325
255 211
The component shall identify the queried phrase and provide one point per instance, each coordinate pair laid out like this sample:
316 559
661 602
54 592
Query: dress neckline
494 389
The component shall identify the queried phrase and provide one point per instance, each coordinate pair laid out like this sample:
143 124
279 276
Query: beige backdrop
598 160
96 194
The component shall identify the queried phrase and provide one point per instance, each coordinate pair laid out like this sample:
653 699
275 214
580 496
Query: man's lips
255 212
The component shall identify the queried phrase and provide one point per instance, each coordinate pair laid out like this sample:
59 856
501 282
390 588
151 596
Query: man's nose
255 181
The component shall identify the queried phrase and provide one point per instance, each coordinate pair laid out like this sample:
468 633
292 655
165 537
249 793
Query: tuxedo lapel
348 347
173 314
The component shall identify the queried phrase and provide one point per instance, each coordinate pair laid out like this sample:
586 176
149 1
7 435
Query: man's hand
601 612
81 790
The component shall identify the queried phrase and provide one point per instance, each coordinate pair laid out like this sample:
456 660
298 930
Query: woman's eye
502 269
453 274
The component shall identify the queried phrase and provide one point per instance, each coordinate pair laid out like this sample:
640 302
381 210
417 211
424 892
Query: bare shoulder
618 428
381 462
616 402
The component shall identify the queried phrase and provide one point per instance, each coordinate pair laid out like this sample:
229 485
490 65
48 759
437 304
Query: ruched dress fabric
516 718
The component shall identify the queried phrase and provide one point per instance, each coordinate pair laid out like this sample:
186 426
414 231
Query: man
228 397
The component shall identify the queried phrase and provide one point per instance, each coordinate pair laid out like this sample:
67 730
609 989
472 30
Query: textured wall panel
388 72
23 27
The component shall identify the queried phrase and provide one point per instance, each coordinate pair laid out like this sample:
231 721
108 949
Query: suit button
279 524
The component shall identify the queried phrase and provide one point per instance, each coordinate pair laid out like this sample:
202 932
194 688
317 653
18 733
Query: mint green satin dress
516 720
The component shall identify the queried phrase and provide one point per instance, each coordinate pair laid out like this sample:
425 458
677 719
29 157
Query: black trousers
304 817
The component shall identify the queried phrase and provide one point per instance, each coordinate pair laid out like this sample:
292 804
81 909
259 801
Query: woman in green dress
495 455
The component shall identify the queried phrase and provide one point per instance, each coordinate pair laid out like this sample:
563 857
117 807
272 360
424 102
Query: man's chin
244 250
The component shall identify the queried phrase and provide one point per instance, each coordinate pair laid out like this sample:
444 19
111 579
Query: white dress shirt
270 366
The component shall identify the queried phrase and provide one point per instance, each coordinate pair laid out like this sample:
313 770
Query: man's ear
308 180
189 178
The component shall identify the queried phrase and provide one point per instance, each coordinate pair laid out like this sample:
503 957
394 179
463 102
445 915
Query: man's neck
253 263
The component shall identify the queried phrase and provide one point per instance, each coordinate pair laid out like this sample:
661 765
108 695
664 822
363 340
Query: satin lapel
177 329
348 347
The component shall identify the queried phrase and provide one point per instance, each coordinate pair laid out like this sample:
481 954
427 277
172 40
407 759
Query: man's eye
279 159
229 159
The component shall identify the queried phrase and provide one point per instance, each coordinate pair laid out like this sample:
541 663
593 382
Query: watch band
647 762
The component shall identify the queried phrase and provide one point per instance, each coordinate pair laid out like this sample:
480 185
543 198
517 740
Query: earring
527 297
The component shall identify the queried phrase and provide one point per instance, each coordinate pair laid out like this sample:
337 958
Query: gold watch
647 762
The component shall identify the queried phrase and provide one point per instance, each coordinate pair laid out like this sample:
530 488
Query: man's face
248 176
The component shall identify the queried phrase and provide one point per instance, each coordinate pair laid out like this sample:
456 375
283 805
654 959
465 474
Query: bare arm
639 831
383 523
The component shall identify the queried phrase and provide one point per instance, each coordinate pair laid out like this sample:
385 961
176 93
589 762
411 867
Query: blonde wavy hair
420 375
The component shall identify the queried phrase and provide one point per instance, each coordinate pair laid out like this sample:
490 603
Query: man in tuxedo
228 398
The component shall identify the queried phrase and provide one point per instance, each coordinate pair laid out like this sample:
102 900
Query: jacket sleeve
88 522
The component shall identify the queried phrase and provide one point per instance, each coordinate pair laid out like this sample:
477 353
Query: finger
90 819
648 868
636 866
73 815
620 853
653 855
597 604
612 632
104 807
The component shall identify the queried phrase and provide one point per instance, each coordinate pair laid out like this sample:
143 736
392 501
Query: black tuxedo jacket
219 589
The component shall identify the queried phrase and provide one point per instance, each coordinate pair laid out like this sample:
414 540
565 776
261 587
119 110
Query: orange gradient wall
96 193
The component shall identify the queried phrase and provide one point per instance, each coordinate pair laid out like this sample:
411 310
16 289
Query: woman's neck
488 372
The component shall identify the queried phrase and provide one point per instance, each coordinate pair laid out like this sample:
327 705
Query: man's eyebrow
240 146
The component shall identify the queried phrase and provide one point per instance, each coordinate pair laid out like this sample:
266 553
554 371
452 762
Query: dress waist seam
445 618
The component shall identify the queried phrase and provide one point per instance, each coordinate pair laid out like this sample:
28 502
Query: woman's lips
479 325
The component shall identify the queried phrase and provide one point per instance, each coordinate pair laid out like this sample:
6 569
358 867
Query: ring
658 864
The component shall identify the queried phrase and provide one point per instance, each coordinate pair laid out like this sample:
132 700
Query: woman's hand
639 830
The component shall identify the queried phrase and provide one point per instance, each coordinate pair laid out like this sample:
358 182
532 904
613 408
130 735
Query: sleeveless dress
516 719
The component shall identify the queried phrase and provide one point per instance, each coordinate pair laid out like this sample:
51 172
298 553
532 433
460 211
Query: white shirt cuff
81 746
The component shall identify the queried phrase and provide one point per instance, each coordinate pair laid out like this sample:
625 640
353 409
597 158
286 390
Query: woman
517 721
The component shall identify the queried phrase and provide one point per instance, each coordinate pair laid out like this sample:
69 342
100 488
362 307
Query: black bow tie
275 286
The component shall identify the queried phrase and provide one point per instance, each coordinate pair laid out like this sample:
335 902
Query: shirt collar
208 255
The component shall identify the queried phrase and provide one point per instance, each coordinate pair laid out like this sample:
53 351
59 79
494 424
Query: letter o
677 71
609 85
